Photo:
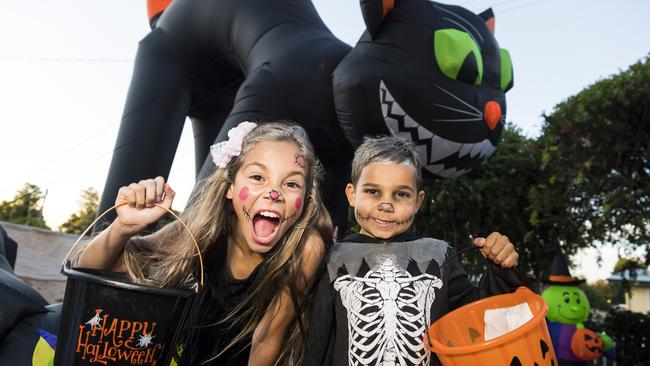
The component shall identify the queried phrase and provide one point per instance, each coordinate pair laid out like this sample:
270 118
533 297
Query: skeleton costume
375 300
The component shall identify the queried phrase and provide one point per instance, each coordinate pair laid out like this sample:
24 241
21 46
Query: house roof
642 276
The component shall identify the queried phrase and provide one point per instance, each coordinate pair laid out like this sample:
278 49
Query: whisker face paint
360 217
247 213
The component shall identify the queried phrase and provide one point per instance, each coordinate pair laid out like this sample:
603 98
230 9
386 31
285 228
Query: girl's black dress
204 335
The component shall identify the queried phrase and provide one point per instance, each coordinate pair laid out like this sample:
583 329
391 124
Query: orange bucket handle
196 244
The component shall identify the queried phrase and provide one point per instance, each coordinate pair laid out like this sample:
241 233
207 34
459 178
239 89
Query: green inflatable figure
568 308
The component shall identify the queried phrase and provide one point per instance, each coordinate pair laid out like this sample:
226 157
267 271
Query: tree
596 160
26 208
79 221
602 295
494 197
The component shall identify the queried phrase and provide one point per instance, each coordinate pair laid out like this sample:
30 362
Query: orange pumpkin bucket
458 337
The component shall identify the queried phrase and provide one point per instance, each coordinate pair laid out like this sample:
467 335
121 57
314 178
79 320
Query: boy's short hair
385 149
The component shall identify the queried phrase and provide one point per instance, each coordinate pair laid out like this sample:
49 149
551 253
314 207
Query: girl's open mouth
265 225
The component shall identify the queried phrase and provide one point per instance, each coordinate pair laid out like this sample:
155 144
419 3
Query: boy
384 286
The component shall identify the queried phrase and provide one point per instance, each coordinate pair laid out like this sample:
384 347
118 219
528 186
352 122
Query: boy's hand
140 210
498 249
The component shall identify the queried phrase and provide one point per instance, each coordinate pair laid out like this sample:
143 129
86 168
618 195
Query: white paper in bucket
504 320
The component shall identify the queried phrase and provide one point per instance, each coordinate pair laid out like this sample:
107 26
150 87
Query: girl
263 229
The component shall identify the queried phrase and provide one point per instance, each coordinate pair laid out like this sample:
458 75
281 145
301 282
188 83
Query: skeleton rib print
388 311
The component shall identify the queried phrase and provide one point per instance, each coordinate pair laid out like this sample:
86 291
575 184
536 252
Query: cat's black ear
488 18
374 12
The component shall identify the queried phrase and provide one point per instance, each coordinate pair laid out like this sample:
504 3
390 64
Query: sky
65 68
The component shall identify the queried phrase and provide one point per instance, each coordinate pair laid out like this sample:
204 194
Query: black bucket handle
196 244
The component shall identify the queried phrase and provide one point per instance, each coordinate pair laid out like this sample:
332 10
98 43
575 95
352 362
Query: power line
62 59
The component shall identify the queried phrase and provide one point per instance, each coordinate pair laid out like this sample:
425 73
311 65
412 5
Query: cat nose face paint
386 207
274 195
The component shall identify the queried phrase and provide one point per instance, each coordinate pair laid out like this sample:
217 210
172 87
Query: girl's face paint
300 161
243 193
298 203
268 166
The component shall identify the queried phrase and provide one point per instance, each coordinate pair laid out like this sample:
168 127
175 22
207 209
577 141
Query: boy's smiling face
385 199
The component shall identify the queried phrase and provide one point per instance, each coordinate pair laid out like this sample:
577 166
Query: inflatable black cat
430 72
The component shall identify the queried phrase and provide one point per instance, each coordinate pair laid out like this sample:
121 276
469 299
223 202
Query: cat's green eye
458 56
506 71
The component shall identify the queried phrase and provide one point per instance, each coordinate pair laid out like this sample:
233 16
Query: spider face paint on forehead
300 161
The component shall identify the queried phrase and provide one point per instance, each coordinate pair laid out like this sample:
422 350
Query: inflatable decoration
568 308
587 345
28 324
432 73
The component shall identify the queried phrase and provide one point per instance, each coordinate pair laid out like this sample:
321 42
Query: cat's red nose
492 114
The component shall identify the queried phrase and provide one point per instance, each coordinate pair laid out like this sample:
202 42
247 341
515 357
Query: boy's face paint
261 220
385 199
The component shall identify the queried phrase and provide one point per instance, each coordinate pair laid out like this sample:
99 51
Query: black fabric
328 334
205 336
17 299
17 347
8 249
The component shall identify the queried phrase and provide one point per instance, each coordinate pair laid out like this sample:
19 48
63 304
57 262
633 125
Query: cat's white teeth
392 124
477 148
487 149
424 134
397 110
443 148
465 149
389 98
409 122
435 168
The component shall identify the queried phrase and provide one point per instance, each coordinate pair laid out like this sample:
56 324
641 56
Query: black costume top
204 335
375 301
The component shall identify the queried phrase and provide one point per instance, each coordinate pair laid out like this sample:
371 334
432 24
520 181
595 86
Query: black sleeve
460 290
320 334
495 281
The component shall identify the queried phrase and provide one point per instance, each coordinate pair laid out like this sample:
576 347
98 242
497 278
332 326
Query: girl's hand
139 212
498 249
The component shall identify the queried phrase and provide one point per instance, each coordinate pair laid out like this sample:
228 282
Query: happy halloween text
114 340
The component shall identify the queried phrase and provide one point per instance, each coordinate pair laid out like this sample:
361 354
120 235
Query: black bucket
108 320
